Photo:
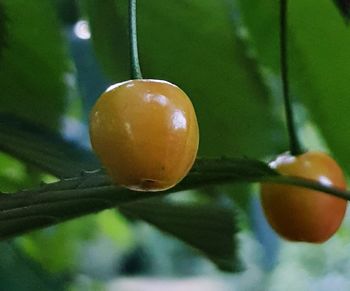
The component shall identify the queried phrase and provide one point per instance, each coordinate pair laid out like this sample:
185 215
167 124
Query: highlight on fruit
300 214
145 133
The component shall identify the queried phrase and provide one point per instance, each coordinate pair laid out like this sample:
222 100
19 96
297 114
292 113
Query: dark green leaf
16 265
319 62
34 65
3 28
25 211
344 8
109 35
262 20
67 10
209 229
51 153
92 192
322 72
43 148
194 47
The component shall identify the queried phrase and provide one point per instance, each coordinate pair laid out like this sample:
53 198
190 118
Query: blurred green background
57 56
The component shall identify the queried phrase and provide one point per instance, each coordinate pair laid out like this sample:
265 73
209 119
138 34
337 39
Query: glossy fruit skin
300 214
145 133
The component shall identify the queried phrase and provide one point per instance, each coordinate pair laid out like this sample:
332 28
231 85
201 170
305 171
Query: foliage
224 54
319 69
344 7
34 64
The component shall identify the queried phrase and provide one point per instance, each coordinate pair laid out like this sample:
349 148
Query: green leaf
32 276
208 229
51 248
323 82
93 192
319 62
260 17
50 152
43 148
93 189
57 202
34 63
3 29
117 228
194 47
344 8
109 36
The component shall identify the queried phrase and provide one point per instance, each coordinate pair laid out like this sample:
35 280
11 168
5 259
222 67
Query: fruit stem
134 54
294 145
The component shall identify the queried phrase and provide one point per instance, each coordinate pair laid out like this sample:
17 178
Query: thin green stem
134 54
294 144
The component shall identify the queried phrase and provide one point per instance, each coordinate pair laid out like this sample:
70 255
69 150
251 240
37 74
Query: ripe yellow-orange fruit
300 214
145 133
